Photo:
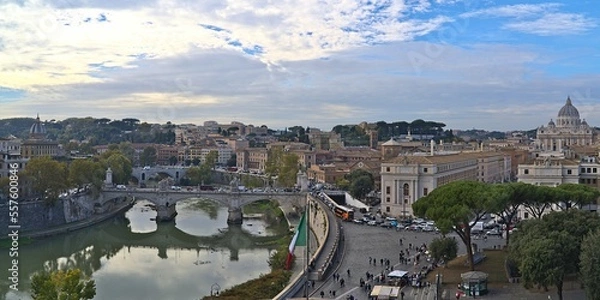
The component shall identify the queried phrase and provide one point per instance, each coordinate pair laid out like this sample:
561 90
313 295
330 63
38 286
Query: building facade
568 130
37 145
407 178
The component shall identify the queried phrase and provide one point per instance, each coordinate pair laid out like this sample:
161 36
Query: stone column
235 215
165 213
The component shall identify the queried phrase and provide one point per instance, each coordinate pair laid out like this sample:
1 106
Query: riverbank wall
38 218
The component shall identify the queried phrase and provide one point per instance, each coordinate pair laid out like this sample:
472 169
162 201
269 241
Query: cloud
539 19
514 11
554 24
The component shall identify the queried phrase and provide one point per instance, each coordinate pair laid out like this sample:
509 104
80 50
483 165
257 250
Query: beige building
38 145
407 178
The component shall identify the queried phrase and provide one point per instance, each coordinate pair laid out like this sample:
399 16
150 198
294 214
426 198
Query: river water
132 257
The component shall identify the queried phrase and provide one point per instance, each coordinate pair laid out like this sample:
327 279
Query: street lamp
215 289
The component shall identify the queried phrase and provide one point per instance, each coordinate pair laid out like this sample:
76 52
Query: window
405 201
569 172
424 170
526 171
582 170
387 199
387 209
594 170
387 189
589 170
425 191
405 190
526 215
387 169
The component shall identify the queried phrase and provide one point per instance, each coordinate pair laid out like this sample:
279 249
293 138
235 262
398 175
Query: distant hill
95 131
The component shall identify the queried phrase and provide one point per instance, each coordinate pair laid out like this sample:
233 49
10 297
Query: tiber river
132 257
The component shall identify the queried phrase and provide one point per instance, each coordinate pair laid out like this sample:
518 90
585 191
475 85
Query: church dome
568 110
37 129
551 123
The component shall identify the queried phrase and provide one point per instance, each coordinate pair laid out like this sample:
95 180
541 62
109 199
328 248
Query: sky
492 65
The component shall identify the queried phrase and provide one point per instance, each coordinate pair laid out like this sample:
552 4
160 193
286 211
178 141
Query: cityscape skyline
491 65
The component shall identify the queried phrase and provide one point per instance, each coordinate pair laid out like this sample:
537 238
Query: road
362 242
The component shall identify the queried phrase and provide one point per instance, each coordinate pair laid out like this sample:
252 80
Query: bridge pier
165 213
235 216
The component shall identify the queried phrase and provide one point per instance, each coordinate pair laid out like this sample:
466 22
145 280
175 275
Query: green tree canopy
119 164
443 248
457 206
62 285
284 165
48 177
576 195
509 197
148 156
548 249
590 265
86 171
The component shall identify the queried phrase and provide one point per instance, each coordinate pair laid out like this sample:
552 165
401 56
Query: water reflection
177 260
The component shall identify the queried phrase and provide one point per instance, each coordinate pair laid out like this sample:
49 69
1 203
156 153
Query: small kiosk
474 283
382 292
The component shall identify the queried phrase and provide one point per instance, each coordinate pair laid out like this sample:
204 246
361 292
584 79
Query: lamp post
215 289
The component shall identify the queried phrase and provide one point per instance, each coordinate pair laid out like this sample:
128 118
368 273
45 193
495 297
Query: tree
148 156
590 265
509 198
173 160
443 248
548 249
283 164
211 159
360 183
119 164
576 195
457 206
198 175
540 201
196 161
232 161
62 285
545 260
82 172
48 177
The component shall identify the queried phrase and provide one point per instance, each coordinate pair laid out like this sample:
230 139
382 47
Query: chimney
432 143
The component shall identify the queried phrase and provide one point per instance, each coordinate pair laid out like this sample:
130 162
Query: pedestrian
348 272
370 259
334 293
323 294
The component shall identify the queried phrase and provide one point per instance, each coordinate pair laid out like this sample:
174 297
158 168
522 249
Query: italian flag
299 239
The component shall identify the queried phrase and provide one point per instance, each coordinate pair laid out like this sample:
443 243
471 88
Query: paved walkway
362 242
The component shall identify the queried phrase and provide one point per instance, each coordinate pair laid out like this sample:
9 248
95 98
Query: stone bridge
165 199
143 174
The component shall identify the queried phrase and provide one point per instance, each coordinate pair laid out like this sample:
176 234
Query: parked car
372 223
428 228
495 231
386 225
358 221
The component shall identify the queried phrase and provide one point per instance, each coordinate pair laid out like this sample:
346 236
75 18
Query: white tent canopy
397 273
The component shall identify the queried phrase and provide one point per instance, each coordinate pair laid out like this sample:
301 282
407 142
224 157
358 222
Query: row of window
589 170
